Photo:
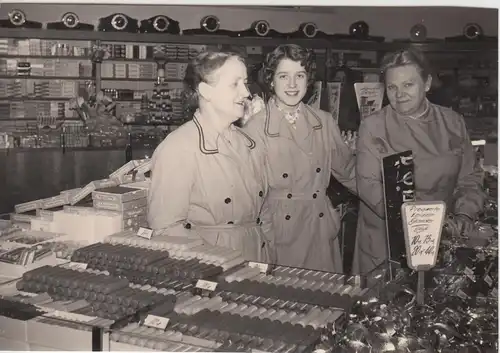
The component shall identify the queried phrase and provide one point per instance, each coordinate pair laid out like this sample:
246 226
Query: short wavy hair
293 52
410 56
199 70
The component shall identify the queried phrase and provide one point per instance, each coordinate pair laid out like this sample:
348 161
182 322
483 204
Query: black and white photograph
261 178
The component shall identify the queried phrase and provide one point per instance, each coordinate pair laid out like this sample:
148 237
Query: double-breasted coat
209 182
445 170
298 217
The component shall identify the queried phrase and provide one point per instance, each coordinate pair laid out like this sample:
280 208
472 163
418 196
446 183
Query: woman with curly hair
303 147
207 176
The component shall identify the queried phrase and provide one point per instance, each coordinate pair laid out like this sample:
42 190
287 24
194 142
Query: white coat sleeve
171 182
343 159
369 171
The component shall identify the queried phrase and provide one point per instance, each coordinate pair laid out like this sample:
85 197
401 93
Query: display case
132 293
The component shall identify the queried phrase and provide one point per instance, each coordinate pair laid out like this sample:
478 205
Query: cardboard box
119 194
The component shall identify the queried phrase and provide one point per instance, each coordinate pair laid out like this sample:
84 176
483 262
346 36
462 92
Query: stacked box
130 203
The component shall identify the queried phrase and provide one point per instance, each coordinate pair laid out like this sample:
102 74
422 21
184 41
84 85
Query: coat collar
275 118
209 135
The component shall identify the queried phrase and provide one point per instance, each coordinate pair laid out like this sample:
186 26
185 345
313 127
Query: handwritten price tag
145 233
261 266
156 322
78 265
422 225
206 285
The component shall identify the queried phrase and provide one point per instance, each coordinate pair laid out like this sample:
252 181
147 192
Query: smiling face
227 92
406 89
289 83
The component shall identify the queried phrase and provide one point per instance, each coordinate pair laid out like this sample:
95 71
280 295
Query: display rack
139 84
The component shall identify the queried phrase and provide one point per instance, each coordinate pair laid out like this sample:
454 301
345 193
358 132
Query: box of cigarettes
70 192
22 217
143 166
121 207
124 169
28 206
87 189
130 178
47 214
56 201
119 194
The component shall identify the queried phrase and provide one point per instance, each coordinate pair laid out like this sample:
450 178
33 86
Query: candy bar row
181 248
157 339
314 318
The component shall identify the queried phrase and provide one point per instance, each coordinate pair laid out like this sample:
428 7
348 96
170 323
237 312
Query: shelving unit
123 72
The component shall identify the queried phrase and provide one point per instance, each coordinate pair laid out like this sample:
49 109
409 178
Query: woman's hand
460 225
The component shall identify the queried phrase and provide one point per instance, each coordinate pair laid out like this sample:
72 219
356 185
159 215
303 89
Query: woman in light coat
304 147
207 176
445 163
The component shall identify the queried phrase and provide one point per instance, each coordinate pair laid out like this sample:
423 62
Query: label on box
469 273
145 233
261 266
156 322
462 295
206 285
78 265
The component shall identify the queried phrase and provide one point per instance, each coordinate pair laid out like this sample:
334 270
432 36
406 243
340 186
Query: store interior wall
391 22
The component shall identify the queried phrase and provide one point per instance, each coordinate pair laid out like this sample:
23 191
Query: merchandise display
81 270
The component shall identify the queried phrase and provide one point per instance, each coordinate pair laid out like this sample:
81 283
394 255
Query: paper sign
261 266
207 285
145 233
77 266
156 322
422 225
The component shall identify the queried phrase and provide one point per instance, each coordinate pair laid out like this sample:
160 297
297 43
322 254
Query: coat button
315 195
321 215
230 222
187 226
261 193
285 175
258 220
289 196
318 170
287 217
228 200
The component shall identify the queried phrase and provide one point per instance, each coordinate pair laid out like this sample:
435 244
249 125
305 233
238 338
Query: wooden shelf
136 79
32 77
24 99
168 123
59 57
148 60
352 45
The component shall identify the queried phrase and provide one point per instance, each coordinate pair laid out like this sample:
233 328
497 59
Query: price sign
156 322
78 265
145 233
261 266
422 225
206 285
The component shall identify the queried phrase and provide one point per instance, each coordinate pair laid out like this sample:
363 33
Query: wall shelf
437 46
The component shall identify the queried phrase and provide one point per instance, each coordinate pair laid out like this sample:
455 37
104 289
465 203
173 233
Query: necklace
291 117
